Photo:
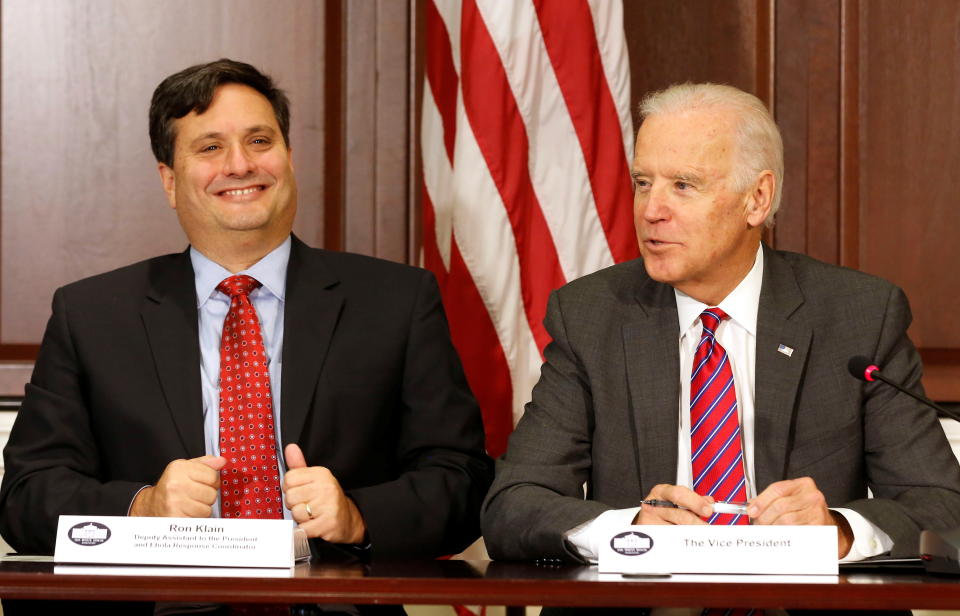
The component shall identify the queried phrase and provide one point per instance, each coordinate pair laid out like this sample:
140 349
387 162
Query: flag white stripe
437 173
450 12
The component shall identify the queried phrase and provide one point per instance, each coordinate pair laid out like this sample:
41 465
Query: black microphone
865 370
939 549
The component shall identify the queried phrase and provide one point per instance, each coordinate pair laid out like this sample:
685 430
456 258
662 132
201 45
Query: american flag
526 137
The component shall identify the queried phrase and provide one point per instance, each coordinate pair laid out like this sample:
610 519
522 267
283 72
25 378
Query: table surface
489 583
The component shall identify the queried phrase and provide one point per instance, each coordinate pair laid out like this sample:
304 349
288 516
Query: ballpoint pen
718 507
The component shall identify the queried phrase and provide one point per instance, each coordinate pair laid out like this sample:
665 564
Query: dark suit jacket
371 388
605 411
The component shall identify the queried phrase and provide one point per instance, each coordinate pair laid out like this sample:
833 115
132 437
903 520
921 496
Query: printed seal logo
89 533
631 543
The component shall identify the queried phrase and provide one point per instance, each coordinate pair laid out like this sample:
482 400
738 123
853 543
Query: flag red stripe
484 362
442 75
473 335
570 38
500 133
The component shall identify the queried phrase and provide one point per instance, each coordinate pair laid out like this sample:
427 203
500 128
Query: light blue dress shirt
212 307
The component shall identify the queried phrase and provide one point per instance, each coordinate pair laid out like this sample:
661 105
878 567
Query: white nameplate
197 542
785 550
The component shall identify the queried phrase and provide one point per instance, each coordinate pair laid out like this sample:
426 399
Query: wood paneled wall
866 93
376 137
80 192
908 177
723 41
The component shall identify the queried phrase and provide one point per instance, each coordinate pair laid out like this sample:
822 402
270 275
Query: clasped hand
189 488
318 503
792 501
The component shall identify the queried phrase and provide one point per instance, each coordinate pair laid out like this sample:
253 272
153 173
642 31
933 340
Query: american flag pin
788 351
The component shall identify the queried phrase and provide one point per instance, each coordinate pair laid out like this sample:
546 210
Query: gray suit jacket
605 409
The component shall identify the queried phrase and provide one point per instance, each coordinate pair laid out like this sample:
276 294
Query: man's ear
760 199
169 180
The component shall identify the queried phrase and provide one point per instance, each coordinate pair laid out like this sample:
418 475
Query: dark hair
192 89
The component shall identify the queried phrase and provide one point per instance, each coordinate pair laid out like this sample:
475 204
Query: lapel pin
788 351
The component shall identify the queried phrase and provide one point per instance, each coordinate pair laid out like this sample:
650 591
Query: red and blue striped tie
715 451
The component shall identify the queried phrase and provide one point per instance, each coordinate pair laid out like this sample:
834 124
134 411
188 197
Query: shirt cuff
868 539
586 538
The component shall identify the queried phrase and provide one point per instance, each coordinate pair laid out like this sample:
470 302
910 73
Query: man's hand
186 489
800 502
318 503
694 505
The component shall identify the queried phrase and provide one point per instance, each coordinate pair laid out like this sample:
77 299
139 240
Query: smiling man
170 387
712 369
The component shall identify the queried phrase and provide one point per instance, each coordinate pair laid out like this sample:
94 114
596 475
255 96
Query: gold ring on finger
309 510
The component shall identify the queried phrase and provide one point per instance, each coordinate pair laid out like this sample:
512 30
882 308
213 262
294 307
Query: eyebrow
692 178
259 128
683 176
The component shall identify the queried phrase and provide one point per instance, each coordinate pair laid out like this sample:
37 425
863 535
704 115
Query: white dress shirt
738 335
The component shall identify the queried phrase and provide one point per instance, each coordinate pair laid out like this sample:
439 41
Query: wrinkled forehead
703 139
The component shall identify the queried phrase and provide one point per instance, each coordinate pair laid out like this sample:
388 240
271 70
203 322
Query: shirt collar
741 304
270 271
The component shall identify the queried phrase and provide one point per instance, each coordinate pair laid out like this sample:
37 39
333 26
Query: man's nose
654 205
238 162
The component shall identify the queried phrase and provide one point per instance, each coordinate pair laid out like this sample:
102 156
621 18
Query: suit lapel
169 316
652 358
311 311
779 369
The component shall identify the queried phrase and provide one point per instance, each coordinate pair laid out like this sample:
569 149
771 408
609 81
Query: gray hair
759 145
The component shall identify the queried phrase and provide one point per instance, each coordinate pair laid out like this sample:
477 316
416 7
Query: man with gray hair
712 369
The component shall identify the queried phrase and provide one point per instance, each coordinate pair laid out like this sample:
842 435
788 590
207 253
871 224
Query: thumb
294 457
214 462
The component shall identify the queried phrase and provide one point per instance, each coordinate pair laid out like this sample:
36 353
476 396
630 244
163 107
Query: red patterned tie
716 455
250 481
